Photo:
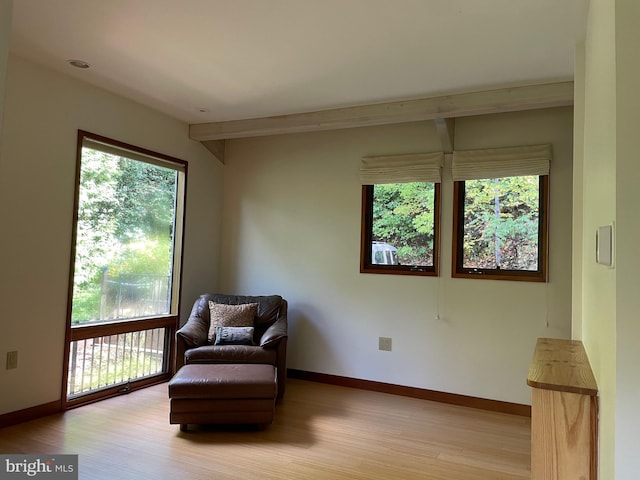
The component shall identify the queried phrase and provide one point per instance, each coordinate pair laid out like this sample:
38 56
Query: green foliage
86 303
501 223
146 196
403 216
149 257
96 214
125 226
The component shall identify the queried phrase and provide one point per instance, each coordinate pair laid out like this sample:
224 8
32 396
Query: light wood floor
320 432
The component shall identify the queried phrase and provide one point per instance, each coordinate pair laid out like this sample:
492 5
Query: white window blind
501 162
420 167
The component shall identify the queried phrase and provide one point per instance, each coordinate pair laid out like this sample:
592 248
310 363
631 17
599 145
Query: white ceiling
253 58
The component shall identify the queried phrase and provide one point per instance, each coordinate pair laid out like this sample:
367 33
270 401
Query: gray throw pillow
234 336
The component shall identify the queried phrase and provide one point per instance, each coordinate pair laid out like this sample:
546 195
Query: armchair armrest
192 334
275 333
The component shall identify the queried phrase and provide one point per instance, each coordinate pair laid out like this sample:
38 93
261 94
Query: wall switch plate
12 360
384 343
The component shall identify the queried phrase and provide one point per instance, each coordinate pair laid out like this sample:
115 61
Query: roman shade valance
501 162
419 167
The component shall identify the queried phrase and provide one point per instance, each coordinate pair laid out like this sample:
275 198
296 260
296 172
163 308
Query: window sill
513 276
399 270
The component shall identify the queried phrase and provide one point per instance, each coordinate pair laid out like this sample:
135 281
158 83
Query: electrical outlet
12 360
384 343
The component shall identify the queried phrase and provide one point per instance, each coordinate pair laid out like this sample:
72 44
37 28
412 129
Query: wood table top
561 365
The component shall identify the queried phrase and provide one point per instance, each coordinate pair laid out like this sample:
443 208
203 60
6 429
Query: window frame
366 239
169 321
457 269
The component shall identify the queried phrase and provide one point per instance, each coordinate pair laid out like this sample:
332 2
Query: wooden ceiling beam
446 132
448 106
216 147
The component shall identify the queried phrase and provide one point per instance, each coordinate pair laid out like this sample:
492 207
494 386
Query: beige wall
609 302
578 192
5 36
291 225
598 192
627 418
599 205
43 111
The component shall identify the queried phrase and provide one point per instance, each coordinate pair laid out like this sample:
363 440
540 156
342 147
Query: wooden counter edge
588 385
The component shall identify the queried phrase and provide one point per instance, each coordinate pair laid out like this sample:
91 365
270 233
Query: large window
400 214
126 267
500 215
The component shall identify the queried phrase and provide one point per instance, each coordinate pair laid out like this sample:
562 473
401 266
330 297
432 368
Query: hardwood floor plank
320 431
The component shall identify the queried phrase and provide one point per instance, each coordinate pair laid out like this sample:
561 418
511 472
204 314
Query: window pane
102 362
501 223
124 239
403 227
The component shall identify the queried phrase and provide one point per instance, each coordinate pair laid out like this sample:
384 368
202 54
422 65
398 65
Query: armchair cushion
224 315
230 354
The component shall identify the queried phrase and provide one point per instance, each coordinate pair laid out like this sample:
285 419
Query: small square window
500 228
400 228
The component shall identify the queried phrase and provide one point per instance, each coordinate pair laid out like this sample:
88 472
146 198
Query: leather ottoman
223 394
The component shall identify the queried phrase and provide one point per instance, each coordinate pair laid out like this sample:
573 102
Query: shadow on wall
309 343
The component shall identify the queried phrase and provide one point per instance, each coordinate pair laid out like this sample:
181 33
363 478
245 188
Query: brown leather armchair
270 335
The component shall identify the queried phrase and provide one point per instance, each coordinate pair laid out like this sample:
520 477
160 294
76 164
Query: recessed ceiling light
78 63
